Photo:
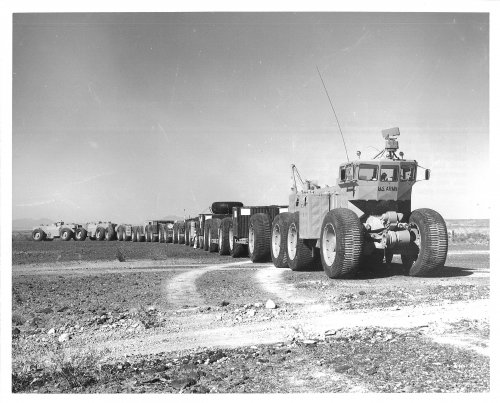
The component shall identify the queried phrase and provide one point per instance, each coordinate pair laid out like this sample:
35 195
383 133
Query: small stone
309 342
16 331
270 304
224 303
64 337
51 331
362 292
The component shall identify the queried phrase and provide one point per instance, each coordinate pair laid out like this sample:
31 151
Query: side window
389 173
349 172
407 173
368 172
342 173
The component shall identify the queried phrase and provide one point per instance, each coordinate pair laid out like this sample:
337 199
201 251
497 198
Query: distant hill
28 223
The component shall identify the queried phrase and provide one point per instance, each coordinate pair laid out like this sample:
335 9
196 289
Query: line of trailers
363 220
230 228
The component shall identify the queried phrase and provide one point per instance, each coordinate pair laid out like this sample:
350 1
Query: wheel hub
292 241
276 240
329 244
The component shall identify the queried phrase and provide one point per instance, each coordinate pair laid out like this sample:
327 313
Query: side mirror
427 174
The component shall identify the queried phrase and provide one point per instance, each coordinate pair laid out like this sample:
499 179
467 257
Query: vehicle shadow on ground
395 269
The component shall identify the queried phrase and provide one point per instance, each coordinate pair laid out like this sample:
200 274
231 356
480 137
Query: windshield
389 173
407 172
368 172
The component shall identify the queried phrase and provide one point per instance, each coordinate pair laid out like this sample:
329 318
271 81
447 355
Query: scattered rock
343 368
270 304
64 337
182 383
362 292
224 303
51 331
15 332
64 308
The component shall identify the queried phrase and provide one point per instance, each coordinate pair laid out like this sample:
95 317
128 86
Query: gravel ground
75 318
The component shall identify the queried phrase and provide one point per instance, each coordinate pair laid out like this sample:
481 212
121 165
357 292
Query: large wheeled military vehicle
166 231
57 230
178 231
100 231
210 223
364 219
247 232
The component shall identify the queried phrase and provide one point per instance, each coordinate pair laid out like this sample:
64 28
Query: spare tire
225 207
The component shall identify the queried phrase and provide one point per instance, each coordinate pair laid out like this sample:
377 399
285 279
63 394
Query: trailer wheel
430 245
279 235
161 235
213 235
259 238
206 234
119 233
223 233
138 235
100 233
66 234
186 233
341 243
81 234
110 233
38 235
300 256
235 249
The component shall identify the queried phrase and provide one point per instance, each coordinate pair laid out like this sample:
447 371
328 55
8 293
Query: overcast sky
125 117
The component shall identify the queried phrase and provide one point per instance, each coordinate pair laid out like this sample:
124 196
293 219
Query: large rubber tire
175 235
223 234
119 233
259 238
341 243
66 234
213 235
206 232
80 234
169 236
236 249
279 235
300 256
187 233
110 233
100 233
133 236
430 248
139 236
38 235
161 234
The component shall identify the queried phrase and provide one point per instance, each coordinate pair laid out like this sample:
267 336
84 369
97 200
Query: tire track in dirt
271 280
181 290
314 325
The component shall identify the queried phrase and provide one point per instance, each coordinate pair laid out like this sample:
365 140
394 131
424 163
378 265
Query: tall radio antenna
333 109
